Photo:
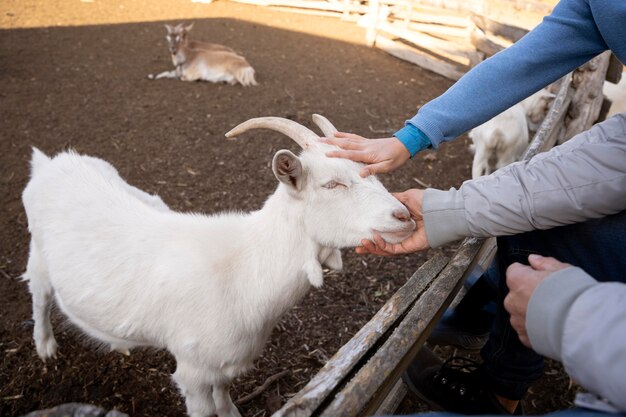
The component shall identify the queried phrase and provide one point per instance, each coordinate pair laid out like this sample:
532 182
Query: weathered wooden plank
485 43
440 30
420 58
587 100
314 12
430 15
364 393
604 109
308 4
338 368
460 5
503 30
453 51
552 126
615 70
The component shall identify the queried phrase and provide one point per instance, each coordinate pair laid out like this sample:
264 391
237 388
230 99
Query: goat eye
333 184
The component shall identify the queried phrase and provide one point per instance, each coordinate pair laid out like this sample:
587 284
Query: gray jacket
571 317
585 178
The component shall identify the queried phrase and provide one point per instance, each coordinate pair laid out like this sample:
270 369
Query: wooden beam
453 51
615 70
486 44
419 58
440 30
587 100
487 25
551 129
308 4
436 16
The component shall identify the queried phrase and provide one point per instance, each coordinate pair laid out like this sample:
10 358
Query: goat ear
288 169
170 28
188 27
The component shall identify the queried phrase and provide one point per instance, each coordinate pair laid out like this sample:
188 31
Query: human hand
412 199
380 155
522 281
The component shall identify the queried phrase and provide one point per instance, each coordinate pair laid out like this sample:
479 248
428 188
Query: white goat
203 61
208 288
617 94
536 107
499 141
503 139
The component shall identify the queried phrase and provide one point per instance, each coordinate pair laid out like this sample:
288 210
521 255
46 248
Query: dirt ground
73 75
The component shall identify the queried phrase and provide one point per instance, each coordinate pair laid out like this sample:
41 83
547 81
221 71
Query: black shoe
458 385
450 332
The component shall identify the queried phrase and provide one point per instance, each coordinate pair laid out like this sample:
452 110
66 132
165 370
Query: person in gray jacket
568 204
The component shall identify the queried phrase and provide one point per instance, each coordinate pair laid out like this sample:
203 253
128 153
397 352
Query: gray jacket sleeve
582 179
576 320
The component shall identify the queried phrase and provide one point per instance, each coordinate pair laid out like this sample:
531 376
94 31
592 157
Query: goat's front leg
164 74
195 387
225 406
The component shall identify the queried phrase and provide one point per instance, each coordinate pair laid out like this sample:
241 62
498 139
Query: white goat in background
499 141
503 139
536 107
202 61
208 288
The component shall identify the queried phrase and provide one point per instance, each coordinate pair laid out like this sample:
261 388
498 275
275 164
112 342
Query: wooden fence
444 36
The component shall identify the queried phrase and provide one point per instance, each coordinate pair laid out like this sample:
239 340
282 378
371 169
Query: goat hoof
47 348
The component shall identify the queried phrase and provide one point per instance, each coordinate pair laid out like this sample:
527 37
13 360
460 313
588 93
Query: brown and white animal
203 61
130 272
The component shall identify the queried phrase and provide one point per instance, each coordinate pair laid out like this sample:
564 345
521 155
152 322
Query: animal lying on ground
130 272
503 139
202 61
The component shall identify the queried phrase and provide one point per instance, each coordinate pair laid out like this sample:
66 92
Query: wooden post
372 22
587 100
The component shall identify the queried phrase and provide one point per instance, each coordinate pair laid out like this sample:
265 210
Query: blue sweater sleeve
564 40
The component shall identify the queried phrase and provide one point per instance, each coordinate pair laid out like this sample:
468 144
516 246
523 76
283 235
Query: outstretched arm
565 40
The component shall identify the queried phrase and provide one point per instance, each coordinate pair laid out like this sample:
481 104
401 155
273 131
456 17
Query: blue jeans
573 412
597 246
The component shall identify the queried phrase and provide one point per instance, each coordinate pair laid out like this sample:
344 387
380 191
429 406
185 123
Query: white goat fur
209 288
503 139
499 141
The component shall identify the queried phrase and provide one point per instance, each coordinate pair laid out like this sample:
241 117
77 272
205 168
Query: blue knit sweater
575 32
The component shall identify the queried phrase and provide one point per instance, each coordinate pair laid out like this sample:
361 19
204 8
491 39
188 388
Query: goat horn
303 136
324 124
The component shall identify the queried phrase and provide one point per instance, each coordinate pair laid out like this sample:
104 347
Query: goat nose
402 215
